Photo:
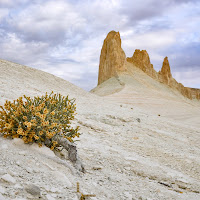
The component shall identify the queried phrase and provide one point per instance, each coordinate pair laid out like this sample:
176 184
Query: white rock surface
157 158
2 197
2 190
8 178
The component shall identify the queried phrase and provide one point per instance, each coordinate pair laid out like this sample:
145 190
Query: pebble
33 190
18 163
29 170
8 178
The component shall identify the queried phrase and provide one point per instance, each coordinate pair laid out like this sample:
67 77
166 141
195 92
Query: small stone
18 163
33 190
8 178
138 119
29 170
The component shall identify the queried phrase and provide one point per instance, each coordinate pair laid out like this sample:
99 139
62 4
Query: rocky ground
128 152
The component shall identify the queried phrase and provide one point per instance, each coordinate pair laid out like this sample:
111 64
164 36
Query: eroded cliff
112 59
113 62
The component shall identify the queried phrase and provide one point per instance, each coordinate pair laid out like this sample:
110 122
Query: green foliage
38 119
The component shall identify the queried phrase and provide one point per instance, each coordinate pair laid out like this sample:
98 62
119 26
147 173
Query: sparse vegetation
39 119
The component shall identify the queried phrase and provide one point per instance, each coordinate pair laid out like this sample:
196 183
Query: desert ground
140 140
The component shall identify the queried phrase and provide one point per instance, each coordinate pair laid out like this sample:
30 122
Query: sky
65 37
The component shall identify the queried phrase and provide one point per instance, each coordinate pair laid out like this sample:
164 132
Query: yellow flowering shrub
38 119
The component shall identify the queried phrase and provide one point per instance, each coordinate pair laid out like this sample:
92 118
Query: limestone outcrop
165 73
141 59
113 61
112 58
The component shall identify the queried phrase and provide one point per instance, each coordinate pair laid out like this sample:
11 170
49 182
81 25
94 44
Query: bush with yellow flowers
39 119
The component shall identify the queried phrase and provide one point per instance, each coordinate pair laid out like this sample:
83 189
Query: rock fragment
33 190
8 178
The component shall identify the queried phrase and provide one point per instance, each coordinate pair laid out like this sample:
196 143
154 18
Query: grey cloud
65 37
49 21
185 57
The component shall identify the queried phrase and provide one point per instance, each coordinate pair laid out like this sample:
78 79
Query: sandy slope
128 150
142 91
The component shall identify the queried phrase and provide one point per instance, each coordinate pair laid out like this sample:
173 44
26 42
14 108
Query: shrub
39 119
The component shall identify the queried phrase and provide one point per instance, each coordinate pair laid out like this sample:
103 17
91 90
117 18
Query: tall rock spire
166 71
112 59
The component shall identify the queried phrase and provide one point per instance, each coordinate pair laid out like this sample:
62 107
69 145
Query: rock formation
141 59
165 73
113 62
112 59
165 76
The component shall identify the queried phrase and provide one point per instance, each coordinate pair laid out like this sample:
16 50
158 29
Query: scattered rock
29 170
33 190
138 119
8 178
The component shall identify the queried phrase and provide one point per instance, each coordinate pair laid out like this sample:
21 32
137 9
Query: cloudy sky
64 37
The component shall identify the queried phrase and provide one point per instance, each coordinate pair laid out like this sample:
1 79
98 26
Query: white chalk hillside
128 150
138 89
